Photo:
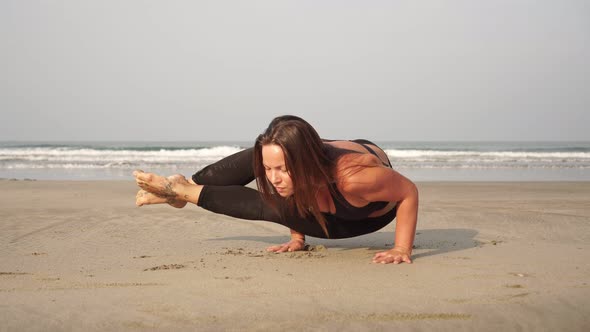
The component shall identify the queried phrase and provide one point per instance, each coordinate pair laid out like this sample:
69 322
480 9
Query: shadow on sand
428 242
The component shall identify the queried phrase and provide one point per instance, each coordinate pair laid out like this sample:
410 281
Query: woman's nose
275 178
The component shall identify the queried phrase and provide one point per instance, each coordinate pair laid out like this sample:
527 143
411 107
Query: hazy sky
221 70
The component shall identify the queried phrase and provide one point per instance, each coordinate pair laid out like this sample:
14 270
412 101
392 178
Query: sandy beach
81 256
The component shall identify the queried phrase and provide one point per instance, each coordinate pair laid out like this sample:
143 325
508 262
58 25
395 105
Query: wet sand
489 256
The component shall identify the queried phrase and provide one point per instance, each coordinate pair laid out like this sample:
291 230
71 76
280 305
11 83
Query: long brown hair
305 159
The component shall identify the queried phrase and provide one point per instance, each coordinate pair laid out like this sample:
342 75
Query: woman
320 188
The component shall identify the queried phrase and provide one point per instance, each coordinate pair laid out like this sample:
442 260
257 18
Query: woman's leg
342 229
246 203
236 169
234 200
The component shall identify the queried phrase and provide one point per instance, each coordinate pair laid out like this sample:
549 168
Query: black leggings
224 193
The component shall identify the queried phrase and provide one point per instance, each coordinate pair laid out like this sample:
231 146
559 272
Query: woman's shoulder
344 145
356 169
357 160
349 158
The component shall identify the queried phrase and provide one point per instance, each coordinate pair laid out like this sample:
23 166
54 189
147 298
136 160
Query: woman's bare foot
147 198
162 189
177 178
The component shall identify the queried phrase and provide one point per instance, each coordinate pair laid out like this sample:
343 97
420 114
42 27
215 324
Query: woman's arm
405 228
374 184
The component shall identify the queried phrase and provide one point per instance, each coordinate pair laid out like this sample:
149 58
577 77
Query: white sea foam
93 158
487 154
214 152
431 159
70 157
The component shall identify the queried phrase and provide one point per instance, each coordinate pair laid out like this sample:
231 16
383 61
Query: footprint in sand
13 273
166 267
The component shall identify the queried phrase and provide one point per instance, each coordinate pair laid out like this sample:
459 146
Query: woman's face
273 160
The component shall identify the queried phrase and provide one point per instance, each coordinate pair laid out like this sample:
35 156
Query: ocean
419 161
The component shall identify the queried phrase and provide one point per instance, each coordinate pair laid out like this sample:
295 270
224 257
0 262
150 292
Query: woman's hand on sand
293 245
395 256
